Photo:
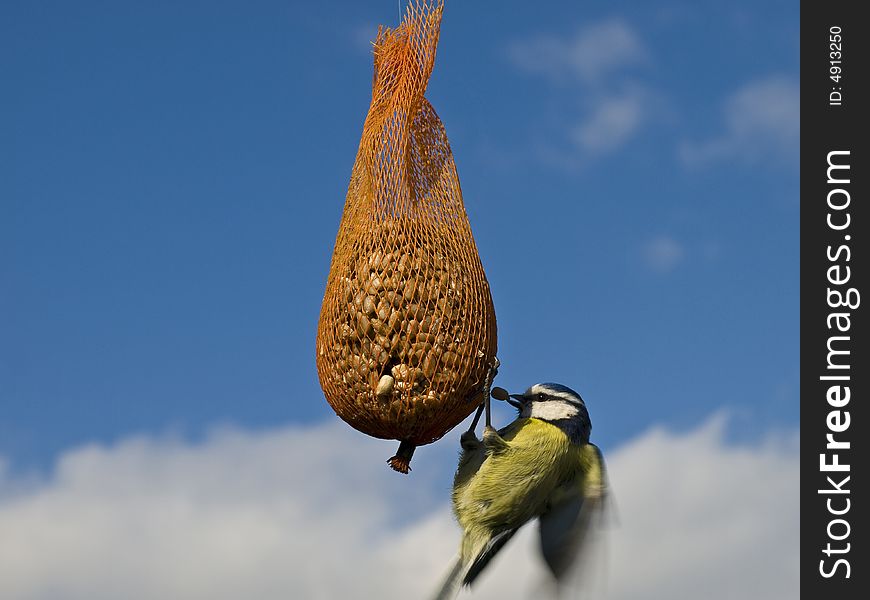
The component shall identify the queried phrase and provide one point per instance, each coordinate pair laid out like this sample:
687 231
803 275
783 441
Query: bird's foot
492 440
469 441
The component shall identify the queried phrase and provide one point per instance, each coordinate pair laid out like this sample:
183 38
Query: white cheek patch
551 410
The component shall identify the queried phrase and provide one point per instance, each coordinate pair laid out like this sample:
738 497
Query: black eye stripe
553 392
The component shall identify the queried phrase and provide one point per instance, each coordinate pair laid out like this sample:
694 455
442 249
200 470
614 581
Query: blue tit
539 466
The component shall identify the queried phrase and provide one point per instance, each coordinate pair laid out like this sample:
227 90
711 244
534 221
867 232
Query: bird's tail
478 544
453 581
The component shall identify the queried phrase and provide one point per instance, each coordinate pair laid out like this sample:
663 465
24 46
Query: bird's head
551 402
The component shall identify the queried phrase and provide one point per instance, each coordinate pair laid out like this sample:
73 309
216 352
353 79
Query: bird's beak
502 394
518 401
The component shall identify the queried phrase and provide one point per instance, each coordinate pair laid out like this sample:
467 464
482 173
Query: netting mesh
407 329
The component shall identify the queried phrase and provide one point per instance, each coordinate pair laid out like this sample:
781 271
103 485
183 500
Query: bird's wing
575 511
491 549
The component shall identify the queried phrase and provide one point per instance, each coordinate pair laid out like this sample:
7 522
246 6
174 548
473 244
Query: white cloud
312 512
726 519
762 125
610 124
594 51
593 75
663 253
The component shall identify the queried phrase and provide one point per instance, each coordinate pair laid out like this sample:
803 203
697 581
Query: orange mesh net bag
406 341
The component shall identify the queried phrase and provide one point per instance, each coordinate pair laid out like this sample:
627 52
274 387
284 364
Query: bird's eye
541 397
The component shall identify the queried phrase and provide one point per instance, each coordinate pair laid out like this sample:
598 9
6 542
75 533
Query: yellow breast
513 486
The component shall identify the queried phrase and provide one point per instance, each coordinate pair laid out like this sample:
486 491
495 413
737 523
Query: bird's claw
493 441
468 440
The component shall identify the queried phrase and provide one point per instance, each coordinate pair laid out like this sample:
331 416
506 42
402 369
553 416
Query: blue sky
172 175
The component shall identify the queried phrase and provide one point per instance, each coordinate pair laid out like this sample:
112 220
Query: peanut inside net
407 331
